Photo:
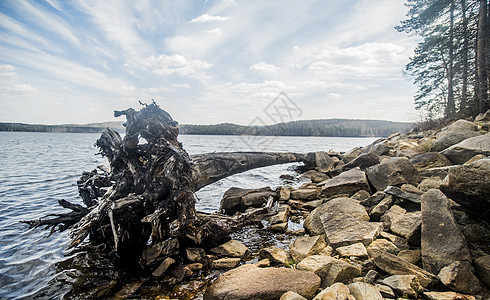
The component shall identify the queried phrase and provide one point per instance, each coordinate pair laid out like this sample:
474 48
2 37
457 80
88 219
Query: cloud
175 64
182 85
54 3
264 67
208 18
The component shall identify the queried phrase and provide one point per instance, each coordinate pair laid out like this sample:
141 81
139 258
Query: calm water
38 169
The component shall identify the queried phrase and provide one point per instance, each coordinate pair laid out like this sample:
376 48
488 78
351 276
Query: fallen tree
144 206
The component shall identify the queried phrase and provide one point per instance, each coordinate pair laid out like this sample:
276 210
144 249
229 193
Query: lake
38 169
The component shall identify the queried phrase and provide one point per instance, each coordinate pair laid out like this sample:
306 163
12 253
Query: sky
204 62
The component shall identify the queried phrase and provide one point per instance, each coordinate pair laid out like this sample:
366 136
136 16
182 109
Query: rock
482 267
440 172
263 263
233 201
427 160
371 276
310 205
329 269
232 248
380 209
182 272
394 191
430 183
344 205
195 254
286 177
279 227
348 182
160 250
398 241
463 151
357 250
225 263
295 204
461 125
408 226
305 194
385 291
447 296
394 171
251 282
292 296
395 212
393 265
363 162
274 254
284 193
404 284
374 199
380 245
474 158
452 138
469 185
195 267
412 256
337 291
483 117
361 195
352 154
362 291
324 163
459 278
343 229
441 241
305 246
381 149
408 188
167 262
281 216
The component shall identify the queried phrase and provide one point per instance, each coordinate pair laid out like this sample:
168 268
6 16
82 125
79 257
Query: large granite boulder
394 171
237 199
441 240
427 160
313 223
251 282
452 138
329 269
342 229
469 185
348 182
463 151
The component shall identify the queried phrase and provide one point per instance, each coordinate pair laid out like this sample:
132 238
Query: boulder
305 246
382 207
395 212
251 282
394 265
430 183
275 254
311 205
412 256
344 205
371 276
337 291
385 291
281 216
482 267
195 254
404 284
263 263
232 200
441 240
461 124
292 296
394 171
257 199
427 160
305 194
225 263
408 188
469 185
447 296
284 193
342 229
232 248
162 268
324 162
459 277
381 245
397 192
362 291
463 151
363 162
279 227
483 117
452 138
357 250
374 199
408 226
440 172
398 241
474 158
352 154
329 269
361 195
348 182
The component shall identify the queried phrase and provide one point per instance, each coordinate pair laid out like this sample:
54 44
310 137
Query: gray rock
324 162
357 250
371 276
408 226
232 200
343 229
232 248
329 269
459 277
352 154
374 199
380 209
441 241
395 212
447 296
305 246
257 199
427 160
440 172
251 282
275 254
313 223
348 182
225 263
412 256
292 296
385 291
460 125
394 171
397 192
337 291
469 185
482 267
404 284
362 291
363 162
452 138
463 151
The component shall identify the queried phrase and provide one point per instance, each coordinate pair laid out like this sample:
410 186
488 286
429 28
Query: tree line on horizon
451 64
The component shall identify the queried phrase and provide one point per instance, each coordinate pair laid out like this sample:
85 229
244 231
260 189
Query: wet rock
343 205
232 248
469 185
305 194
430 183
404 284
195 267
381 208
257 199
195 254
329 269
281 216
447 296
459 277
324 162
412 256
233 199
343 229
162 268
362 290
397 192
408 226
274 254
394 171
337 291
348 182
128 290
463 151
482 267
306 246
357 250
182 272
394 265
279 227
225 263
427 160
361 195
452 138
394 213
441 241
292 296
380 245
251 282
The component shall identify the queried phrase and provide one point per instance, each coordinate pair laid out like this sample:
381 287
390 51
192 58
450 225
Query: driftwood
145 204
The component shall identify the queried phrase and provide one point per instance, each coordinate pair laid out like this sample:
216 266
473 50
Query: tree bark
482 49
464 60
450 106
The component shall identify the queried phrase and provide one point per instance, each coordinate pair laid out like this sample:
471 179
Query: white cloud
175 64
264 67
208 18
54 3
215 32
182 85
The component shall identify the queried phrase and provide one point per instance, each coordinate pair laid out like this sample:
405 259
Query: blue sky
205 62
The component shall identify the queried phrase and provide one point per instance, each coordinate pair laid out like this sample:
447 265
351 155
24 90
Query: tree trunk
481 58
450 106
464 59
